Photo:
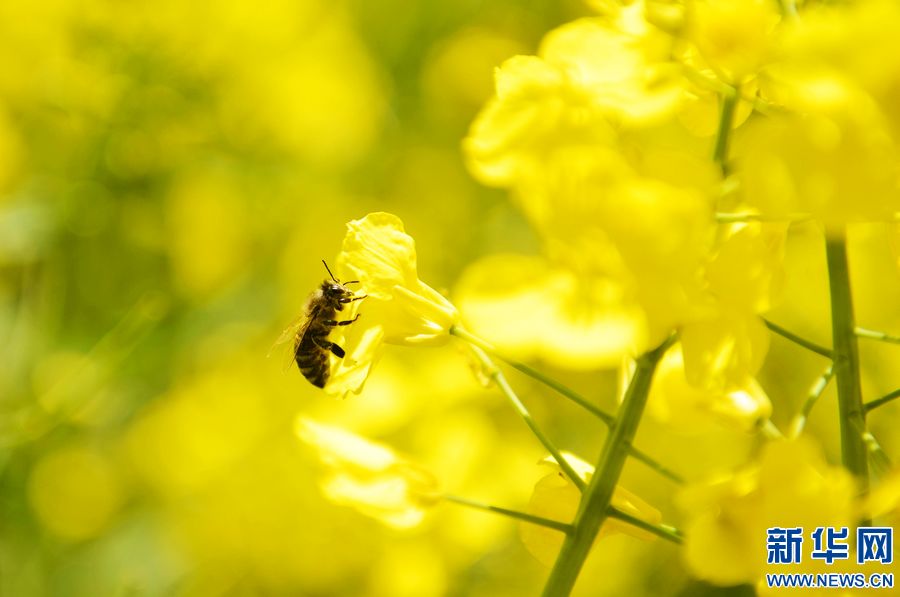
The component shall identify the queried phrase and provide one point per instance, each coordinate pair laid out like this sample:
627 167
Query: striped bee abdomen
312 360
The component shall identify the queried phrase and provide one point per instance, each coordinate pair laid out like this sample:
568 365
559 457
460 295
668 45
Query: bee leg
332 322
350 300
334 348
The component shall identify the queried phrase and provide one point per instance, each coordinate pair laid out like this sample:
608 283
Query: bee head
334 290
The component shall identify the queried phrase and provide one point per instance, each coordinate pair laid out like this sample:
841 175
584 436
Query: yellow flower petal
791 486
746 269
573 323
696 408
398 308
733 36
833 158
725 350
368 476
378 252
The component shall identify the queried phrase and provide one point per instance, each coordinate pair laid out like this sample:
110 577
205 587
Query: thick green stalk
595 502
846 363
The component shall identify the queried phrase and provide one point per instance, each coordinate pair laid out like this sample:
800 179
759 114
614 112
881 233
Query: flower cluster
605 140
660 151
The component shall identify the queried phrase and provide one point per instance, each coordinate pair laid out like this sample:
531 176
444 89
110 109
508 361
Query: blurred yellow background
171 176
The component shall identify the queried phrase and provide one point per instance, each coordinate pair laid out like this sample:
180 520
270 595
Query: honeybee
310 333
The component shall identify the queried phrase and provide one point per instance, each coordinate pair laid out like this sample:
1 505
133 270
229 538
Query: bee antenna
329 271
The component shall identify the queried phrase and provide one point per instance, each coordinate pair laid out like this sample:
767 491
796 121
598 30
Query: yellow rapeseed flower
709 376
573 322
591 77
690 407
832 148
398 308
368 476
624 250
727 520
734 37
842 39
724 346
833 158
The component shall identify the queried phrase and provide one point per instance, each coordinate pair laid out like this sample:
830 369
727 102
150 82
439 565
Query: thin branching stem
815 392
524 516
664 531
876 335
788 8
667 532
880 461
799 341
566 392
870 406
496 374
768 429
728 218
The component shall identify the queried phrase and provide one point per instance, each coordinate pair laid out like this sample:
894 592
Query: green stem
500 379
808 345
846 362
769 430
711 83
566 392
875 335
726 118
595 503
788 8
869 406
538 520
534 373
664 531
881 462
655 465
669 533
728 218
815 392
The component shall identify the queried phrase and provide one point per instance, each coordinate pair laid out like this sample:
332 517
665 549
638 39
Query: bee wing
288 334
287 341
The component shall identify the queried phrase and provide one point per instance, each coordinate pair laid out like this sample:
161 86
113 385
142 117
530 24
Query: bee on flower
399 308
